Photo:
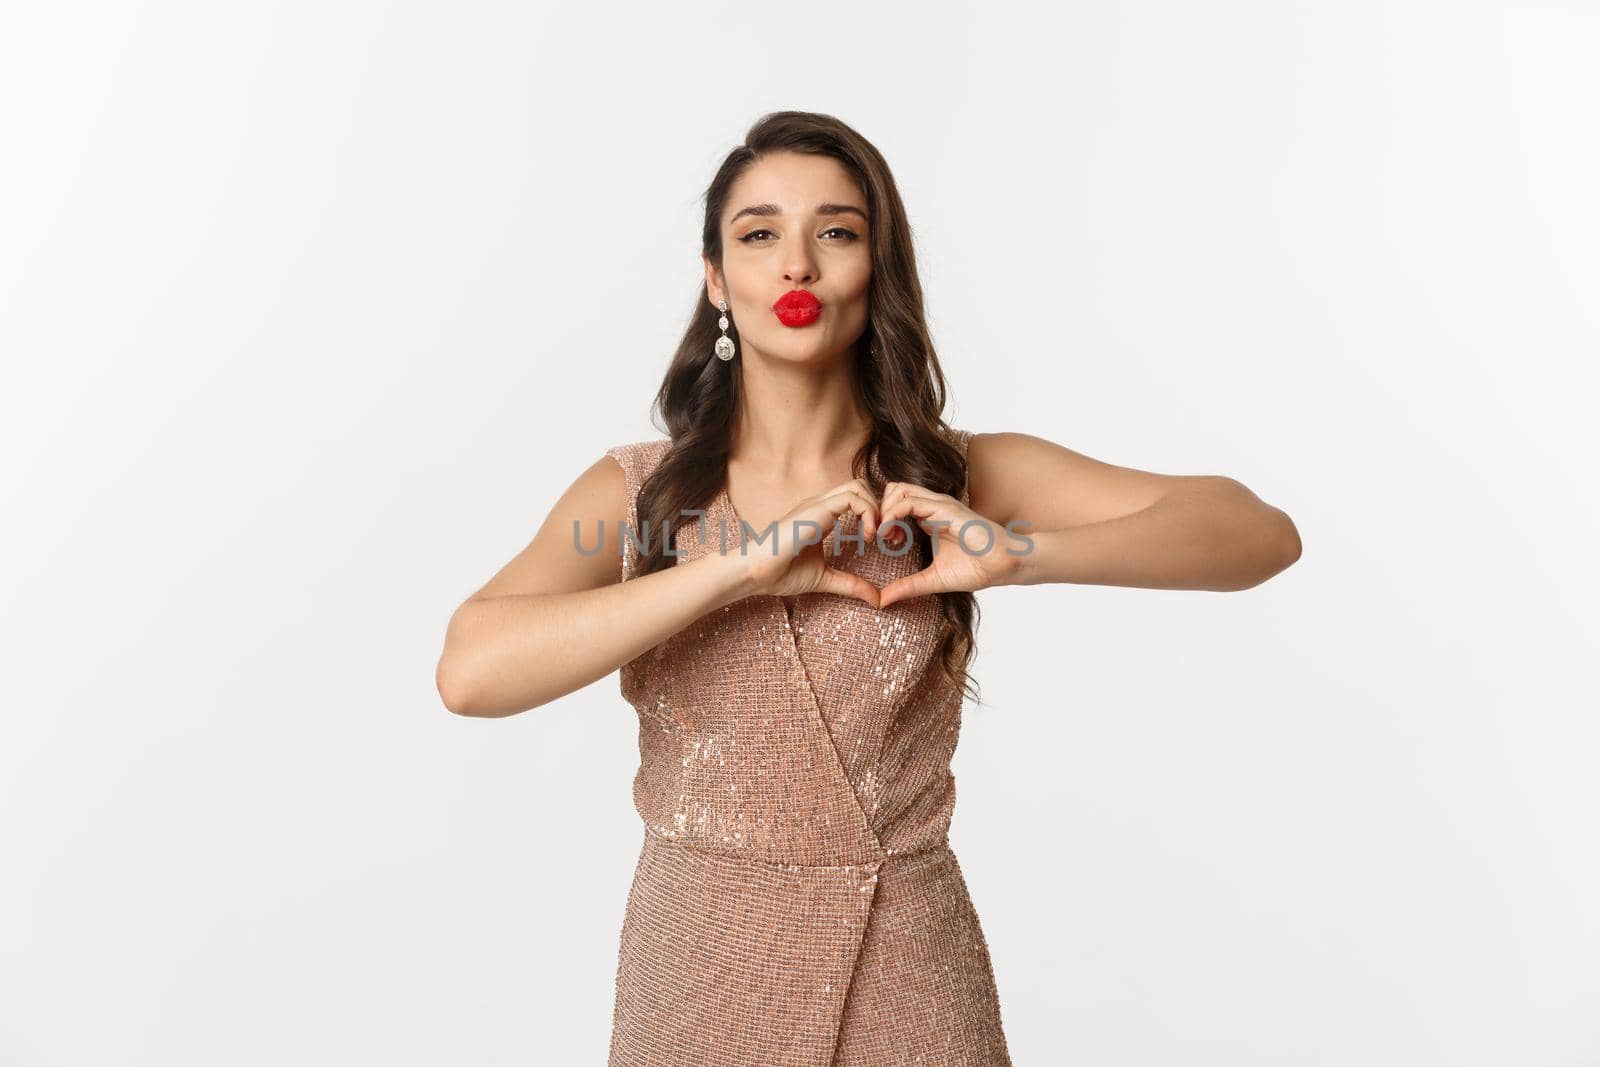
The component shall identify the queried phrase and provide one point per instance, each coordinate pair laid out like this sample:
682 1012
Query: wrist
1019 559
736 578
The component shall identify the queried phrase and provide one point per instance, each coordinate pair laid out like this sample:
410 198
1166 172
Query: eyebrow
774 209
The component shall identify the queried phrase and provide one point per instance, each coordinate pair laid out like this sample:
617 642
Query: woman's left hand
982 563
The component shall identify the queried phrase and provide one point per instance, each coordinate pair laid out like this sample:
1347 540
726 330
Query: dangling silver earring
724 343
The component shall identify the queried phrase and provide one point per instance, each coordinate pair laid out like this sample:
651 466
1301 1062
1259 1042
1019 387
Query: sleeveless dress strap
962 439
637 459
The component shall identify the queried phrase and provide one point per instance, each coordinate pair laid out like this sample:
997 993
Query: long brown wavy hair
897 371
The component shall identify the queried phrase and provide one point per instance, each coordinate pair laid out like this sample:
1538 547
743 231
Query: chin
802 344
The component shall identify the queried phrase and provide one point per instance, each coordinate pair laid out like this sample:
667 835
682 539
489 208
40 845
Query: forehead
796 182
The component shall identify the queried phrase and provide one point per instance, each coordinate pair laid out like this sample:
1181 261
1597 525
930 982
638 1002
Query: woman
796 900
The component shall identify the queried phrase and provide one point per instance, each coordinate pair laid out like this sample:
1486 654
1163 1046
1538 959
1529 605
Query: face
794 222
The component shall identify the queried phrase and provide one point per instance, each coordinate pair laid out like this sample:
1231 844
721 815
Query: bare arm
553 620
1096 523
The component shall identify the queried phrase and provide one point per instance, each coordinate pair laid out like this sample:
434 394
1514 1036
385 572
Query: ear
713 283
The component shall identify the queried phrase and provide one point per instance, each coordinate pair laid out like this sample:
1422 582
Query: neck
796 420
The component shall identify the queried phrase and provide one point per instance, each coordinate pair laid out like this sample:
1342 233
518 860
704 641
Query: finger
844 583
903 490
922 583
826 511
921 509
865 508
894 536
893 491
823 511
869 519
898 489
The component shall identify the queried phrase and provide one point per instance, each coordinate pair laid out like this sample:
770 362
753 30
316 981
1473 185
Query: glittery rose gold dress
796 901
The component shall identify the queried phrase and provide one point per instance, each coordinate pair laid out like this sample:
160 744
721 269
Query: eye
750 238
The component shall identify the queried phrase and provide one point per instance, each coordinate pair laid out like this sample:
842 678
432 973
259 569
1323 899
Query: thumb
922 583
844 583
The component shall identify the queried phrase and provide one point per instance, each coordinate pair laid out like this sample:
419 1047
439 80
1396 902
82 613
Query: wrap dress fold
796 901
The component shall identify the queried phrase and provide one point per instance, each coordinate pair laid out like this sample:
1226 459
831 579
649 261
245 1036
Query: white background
310 311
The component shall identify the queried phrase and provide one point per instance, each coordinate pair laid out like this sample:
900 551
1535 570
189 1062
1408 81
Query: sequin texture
796 902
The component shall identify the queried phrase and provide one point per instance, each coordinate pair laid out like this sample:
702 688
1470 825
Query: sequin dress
796 901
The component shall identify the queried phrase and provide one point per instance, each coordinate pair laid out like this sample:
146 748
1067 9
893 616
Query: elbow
454 677
1273 539
464 693
1288 543
455 688
1280 551
1274 547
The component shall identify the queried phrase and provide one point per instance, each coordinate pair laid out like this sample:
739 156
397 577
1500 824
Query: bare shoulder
576 546
1019 476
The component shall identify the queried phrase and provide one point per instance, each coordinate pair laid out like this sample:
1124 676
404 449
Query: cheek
859 299
852 282
741 282
861 279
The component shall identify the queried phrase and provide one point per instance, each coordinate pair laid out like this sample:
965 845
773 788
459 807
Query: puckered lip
795 300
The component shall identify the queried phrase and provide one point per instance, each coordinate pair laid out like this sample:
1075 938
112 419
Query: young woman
796 901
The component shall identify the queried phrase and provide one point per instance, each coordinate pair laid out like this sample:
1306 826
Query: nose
801 268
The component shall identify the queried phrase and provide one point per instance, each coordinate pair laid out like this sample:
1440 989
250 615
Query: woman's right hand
789 569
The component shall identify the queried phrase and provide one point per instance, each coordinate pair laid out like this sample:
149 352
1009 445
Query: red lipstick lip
798 307
797 300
